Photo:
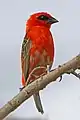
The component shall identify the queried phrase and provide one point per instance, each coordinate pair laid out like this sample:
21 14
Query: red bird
37 50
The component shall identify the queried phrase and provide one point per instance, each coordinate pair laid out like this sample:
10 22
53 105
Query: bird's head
40 19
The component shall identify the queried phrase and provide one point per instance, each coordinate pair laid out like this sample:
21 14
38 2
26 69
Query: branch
39 84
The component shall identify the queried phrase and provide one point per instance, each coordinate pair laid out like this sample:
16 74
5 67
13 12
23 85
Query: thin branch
37 85
76 74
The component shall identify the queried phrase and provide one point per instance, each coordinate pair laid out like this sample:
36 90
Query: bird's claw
60 78
21 88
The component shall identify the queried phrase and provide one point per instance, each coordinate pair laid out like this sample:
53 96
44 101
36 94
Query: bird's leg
47 69
60 75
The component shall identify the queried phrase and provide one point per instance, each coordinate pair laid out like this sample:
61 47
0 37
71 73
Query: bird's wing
25 62
25 58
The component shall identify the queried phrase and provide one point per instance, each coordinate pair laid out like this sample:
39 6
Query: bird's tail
38 102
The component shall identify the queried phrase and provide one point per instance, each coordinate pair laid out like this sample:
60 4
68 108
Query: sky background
61 100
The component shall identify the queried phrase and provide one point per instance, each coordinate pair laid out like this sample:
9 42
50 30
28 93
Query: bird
37 51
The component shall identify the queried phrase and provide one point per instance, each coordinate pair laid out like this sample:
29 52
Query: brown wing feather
25 57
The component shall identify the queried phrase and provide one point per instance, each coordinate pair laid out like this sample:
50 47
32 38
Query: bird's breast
41 39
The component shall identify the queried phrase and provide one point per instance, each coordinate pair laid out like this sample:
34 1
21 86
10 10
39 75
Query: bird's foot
21 88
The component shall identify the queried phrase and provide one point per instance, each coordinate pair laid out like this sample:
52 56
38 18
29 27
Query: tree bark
39 84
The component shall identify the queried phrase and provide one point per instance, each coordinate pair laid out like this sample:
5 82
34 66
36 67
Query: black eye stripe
43 17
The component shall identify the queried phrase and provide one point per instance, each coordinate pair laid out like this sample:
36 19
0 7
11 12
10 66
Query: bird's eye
43 17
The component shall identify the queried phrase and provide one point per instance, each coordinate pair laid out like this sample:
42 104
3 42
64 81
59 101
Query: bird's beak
52 20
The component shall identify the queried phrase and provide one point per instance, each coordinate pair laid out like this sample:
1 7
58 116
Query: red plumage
37 49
